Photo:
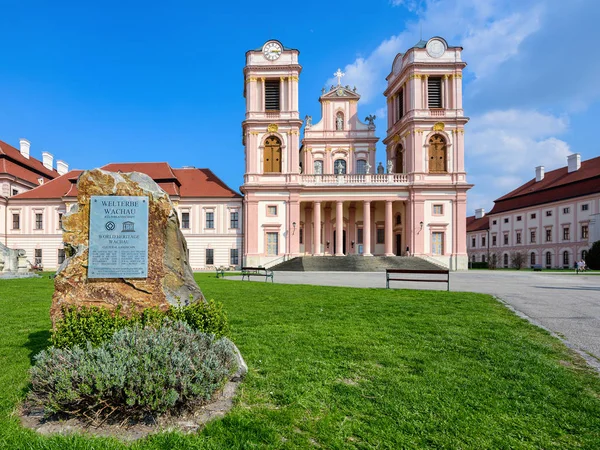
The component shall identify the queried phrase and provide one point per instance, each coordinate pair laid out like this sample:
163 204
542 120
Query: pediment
340 93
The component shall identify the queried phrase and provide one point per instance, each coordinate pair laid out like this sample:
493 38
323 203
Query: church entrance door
335 242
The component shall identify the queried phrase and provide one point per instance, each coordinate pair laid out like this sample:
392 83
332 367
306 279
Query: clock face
435 48
272 51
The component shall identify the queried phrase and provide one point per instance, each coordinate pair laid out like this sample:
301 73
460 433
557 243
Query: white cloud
504 147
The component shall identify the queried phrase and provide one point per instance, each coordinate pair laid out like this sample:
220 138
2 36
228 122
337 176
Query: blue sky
138 81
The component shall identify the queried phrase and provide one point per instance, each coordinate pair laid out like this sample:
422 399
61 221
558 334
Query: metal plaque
118 245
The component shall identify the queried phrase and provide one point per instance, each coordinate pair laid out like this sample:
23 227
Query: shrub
136 371
592 258
80 325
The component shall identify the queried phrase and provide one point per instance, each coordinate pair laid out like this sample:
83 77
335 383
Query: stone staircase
353 263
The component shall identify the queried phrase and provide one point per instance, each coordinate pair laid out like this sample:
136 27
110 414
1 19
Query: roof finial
339 74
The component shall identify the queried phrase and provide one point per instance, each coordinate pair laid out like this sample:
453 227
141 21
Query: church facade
323 195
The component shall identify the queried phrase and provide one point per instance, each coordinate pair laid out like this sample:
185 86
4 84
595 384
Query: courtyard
342 367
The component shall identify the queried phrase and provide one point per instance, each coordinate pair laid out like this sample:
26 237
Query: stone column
308 229
317 228
367 228
327 234
339 228
351 229
388 228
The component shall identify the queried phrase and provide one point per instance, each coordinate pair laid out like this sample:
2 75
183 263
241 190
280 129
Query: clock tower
271 139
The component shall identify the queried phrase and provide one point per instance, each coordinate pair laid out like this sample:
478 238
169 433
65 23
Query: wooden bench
257 272
537 267
390 276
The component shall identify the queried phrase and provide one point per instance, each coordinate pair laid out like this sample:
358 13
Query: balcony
395 179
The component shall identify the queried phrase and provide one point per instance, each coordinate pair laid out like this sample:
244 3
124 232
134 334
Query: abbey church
323 195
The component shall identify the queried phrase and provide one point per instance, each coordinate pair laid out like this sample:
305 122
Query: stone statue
369 119
354 89
339 123
367 168
380 169
13 260
338 169
390 166
308 121
323 91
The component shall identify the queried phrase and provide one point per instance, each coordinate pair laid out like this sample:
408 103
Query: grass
352 368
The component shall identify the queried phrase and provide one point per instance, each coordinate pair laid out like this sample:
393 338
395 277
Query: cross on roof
339 74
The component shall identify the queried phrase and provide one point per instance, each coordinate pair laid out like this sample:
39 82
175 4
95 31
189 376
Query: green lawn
352 368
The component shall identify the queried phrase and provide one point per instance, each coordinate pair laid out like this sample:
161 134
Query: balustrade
354 179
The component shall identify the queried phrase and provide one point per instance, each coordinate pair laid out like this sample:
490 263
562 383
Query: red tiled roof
557 185
175 182
13 163
203 183
62 186
474 224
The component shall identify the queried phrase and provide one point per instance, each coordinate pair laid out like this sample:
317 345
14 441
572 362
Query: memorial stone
124 247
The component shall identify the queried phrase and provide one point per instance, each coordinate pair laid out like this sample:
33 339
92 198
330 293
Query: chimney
574 162
539 173
47 160
61 167
479 213
25 144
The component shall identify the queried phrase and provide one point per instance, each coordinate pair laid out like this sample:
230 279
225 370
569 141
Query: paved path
569 304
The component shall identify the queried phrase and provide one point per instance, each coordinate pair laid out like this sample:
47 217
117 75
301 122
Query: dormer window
434 92
339 121
272 95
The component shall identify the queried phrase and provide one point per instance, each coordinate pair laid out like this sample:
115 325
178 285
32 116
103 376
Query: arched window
272 163
339 121
482 258
473 258
566 258
361 166
339 166
583 254
506 260
318 167
532 259
398 219
437 154
399 160
548 259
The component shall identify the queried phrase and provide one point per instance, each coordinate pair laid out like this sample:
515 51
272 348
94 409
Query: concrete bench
392 275
257 272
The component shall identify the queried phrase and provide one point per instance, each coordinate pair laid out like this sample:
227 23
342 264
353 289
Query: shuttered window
272 95
400 105
434 90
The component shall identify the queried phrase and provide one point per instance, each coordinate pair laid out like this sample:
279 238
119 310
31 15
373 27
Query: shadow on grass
36 342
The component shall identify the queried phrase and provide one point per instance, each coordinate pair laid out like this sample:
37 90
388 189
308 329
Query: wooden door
437 154
272 155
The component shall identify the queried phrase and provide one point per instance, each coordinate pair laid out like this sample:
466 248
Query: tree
592 258
517 260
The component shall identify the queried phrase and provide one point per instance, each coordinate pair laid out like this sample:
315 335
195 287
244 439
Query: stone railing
355 179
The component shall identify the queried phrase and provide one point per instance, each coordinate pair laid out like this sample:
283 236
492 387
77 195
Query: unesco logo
110 226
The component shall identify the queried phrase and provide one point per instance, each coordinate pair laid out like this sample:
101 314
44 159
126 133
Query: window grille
234 256
16 221
400 105
185 220
234 219
39 221
210 220
210 260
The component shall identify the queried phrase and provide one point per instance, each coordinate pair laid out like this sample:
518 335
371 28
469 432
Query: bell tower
271 138
271 129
